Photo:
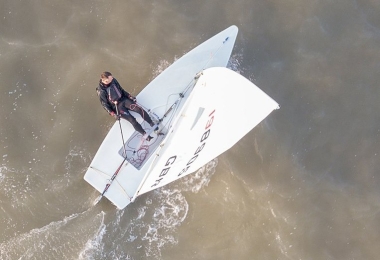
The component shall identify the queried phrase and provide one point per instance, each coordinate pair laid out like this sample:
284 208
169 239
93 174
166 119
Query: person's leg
134 123
130 105
127 116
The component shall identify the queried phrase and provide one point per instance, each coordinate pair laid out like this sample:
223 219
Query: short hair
105 75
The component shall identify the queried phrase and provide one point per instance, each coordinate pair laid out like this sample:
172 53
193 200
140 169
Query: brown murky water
304 184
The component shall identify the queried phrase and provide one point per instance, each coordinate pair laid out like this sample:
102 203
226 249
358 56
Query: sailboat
191 102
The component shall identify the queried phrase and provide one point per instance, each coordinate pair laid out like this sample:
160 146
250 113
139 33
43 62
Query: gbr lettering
165 170
197 152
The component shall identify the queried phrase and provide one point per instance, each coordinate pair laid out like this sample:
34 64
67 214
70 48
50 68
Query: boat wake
150 224
58 240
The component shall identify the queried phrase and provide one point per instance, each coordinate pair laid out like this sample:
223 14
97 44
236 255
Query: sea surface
304 184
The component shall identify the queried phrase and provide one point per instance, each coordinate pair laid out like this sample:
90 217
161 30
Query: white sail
222 108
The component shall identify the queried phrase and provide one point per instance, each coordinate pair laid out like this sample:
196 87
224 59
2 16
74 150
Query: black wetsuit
114 92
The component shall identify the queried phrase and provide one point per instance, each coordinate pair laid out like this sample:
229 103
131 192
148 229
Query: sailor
118 102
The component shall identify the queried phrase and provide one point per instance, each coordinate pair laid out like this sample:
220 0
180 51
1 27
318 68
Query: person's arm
105 103
125 93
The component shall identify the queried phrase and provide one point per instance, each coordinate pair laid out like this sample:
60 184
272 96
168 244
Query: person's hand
117 117
132 98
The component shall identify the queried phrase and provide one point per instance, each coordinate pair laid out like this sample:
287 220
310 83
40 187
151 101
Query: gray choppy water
302 185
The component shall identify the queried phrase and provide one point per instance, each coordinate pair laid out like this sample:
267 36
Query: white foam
161 222
195 182
160 68
170 214
58 239
95 243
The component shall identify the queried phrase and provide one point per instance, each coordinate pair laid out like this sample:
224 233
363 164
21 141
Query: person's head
106 77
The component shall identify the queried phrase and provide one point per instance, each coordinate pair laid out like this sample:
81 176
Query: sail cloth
222 108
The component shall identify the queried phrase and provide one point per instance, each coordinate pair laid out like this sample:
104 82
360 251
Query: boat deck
138 150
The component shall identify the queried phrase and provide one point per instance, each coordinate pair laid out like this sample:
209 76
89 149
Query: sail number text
202 144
